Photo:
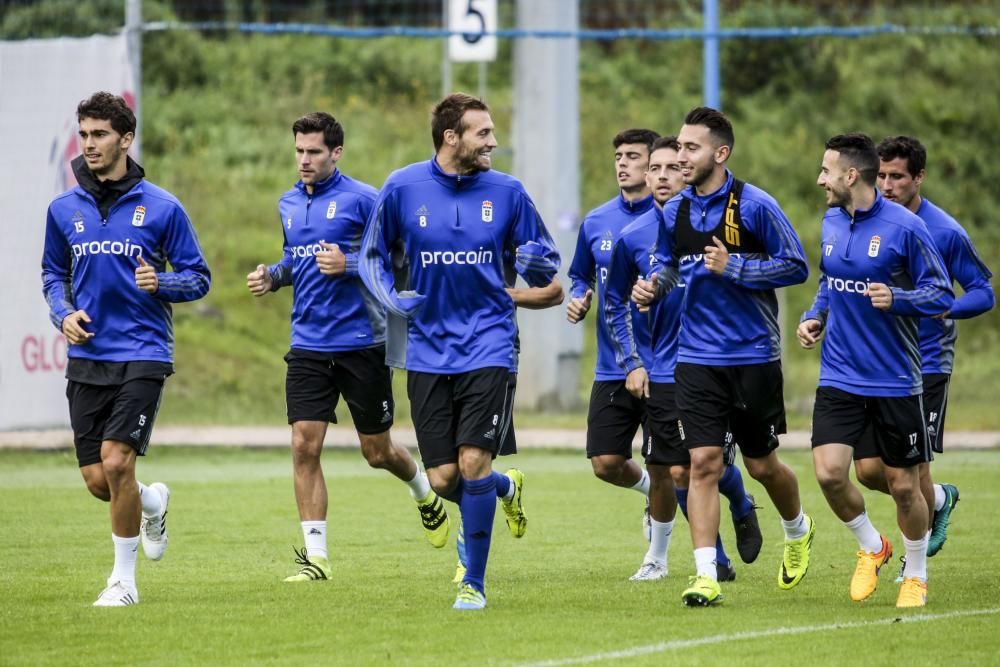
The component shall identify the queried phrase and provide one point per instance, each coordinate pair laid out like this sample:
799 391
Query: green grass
561 592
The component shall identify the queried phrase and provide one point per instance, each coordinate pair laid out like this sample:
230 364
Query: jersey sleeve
967 269
622 272
786 262
365 206
190 278
381 233
664 265
820 308
536 258
931 292
57 273
281 272
582 270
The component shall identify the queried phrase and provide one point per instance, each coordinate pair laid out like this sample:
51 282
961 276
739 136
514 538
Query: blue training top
729 319
867 351
633 257
329 313
89 263
598 232
433 253
964 266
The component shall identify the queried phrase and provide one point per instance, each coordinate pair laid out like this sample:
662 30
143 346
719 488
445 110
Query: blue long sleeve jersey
634 257
89 263
867 351
433 255
729 319
329 313
964 266
599 230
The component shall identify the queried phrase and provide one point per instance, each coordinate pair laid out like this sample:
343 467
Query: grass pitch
558 596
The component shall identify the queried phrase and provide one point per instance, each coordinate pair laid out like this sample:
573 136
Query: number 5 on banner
473 19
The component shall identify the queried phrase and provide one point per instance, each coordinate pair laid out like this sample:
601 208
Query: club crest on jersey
331 210
138 215
487 210
873 246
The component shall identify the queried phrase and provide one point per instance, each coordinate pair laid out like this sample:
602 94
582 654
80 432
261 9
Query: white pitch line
663 647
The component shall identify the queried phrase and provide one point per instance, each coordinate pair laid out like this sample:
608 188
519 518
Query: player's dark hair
903 146
448 113
636 136
858 150
105 106
718 125
665 142
320 121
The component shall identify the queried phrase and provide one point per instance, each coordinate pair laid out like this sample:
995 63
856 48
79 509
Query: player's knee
116 465
905 492
376 457
99 489
830 479
607 470
305 450
681 476
377 450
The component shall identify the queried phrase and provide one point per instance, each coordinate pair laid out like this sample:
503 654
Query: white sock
939 497
796 528
125 555
869 539
642 486
704 561
510 491
152 502
419 486
659 541
314 533
916 558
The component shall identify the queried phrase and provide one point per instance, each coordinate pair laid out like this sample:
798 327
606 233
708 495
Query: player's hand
880 294
809 332
259 281
72 327
577 308
637 383
330 260
145 277
644 292
716 256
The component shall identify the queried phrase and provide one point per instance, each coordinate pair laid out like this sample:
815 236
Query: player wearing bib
651 379
731 245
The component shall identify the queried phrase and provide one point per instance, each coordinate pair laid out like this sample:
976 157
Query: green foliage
559 593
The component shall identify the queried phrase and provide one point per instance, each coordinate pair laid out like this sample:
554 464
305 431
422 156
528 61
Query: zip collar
637 206
452 181
703 200
863 214
322 187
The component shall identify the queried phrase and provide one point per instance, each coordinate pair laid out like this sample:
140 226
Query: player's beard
467 161
700 174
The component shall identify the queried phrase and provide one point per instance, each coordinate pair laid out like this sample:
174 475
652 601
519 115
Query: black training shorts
613 419
745 401
472 408
890 427
315 380
123 412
